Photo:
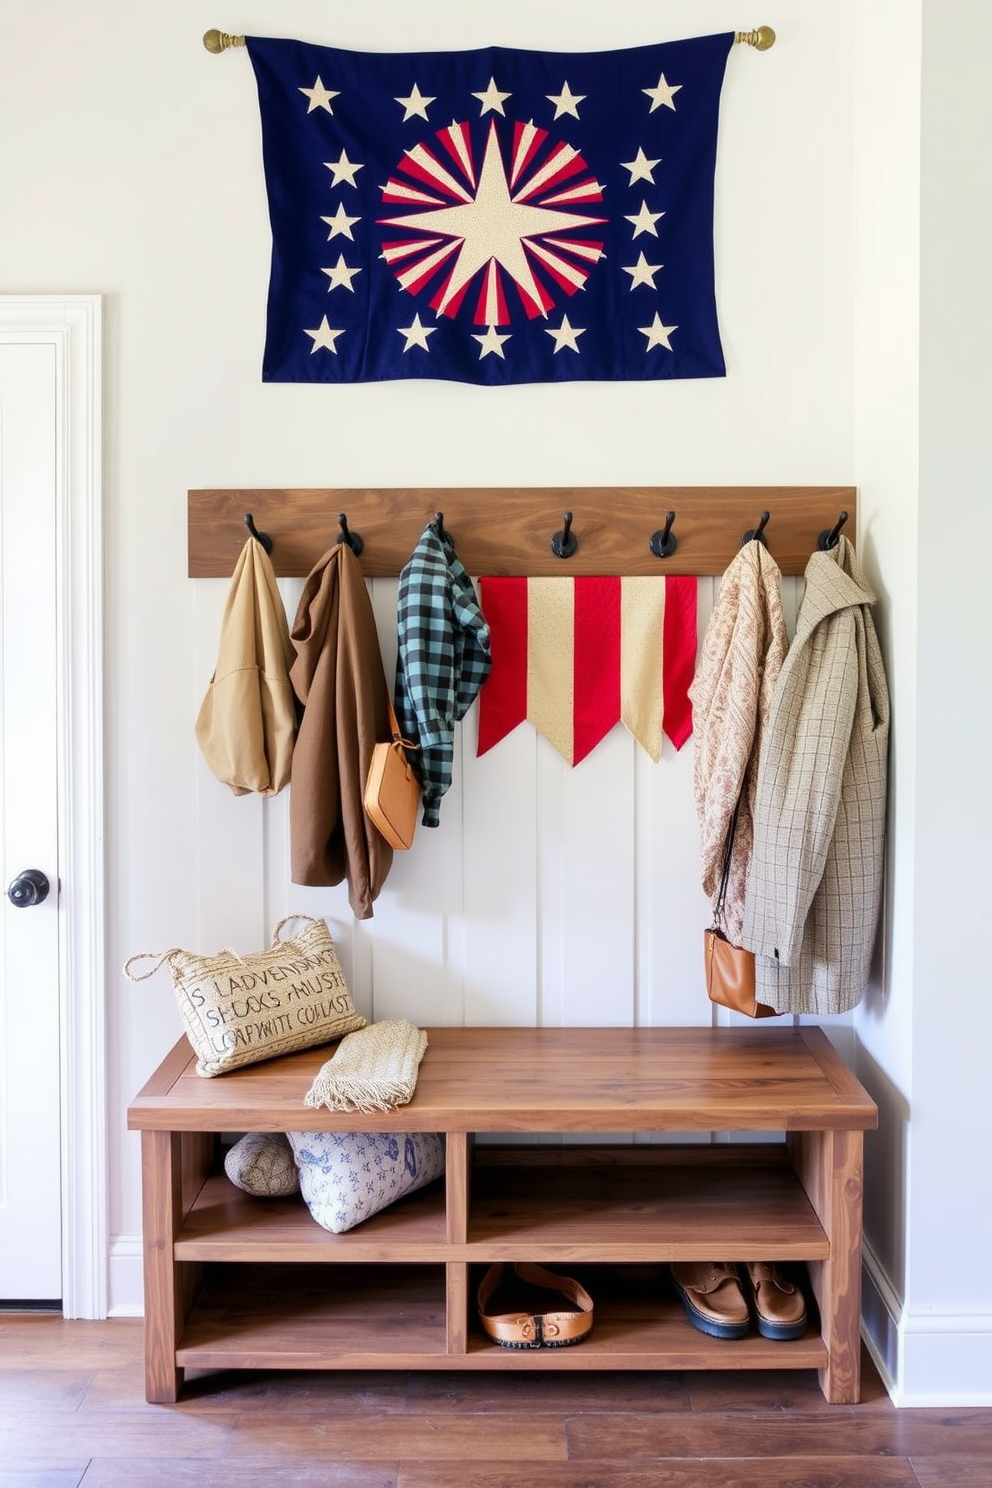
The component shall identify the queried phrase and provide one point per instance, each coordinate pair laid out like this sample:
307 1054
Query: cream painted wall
924 464
950 1304
546 895
888 44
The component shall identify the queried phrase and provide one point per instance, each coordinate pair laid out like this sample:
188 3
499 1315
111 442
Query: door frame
72 324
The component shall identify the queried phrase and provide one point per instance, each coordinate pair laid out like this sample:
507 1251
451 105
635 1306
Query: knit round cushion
262 1164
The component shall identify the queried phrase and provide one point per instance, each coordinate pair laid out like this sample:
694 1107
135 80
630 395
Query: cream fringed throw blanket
371 1070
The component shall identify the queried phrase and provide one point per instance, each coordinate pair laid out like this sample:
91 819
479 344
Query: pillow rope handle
309 919
159 957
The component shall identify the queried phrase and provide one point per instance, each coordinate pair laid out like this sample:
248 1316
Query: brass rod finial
762 38
219 41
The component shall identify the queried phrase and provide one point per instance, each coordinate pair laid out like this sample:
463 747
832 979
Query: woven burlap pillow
238 1010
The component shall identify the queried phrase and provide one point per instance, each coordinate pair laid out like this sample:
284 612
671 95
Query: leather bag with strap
392 790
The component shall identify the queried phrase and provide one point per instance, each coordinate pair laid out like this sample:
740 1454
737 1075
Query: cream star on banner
340 223
492 229
491 100
641 168
643 273
662 95
566 102
319 96
414 104
324 337
343 169
491 341
657 334
644 221
416 334
565 335
341 276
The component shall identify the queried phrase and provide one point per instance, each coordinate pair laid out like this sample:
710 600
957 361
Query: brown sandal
532 1315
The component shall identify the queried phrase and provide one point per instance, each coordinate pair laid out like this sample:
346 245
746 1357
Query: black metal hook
828 540
262 537
664 542
442 536
564 543
353 539
757 534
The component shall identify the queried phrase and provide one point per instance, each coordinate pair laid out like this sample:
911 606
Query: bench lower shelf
393 1317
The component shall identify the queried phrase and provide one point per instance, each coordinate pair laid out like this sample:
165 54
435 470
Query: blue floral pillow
346 1177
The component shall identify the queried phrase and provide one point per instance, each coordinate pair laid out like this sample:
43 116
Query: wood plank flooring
73 1415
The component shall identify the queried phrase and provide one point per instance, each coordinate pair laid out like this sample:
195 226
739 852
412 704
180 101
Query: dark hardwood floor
72 1412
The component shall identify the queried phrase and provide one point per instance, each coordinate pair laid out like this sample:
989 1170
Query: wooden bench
237 1282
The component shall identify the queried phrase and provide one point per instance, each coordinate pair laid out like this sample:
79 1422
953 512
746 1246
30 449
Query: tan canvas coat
247 720
739 662
339 678
819 813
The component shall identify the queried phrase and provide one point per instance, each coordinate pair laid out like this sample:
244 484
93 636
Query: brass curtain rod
762 38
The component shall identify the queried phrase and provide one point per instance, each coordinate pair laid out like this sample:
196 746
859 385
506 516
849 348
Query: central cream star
566 335
566 102
319 96
341 276
492 99
663 94
491 341
493 226
657 334
414 104
324 337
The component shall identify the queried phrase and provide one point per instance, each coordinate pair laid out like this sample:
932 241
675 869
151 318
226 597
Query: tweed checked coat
819 814
739 662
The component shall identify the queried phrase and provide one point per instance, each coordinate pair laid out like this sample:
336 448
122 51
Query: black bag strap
728 851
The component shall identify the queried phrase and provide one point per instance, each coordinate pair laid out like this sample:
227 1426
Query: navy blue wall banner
491 216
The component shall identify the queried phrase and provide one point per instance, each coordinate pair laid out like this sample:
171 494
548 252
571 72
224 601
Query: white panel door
30 1119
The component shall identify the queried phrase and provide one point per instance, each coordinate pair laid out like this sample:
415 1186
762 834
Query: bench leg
161 1187
829 1164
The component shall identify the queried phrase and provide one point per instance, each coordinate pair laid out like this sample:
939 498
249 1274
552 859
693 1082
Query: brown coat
338 676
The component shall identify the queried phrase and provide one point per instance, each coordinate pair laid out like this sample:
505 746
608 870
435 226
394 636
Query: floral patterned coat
742 653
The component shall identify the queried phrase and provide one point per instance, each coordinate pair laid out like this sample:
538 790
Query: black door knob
29 887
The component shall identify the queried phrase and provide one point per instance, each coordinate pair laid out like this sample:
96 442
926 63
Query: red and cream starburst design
492 222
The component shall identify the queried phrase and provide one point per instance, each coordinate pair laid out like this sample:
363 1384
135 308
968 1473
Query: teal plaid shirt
443 658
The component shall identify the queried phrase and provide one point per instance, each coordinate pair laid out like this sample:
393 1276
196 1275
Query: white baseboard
127 1292
925 1358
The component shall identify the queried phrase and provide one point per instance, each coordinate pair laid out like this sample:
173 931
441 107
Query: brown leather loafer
523 1306
778 1305
712 1297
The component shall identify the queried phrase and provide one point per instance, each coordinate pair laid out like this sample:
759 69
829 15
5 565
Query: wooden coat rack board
508 530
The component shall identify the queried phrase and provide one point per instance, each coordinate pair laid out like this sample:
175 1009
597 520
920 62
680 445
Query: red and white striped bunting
577 656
